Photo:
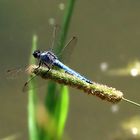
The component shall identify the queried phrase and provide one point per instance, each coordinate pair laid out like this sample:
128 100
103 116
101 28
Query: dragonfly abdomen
70 71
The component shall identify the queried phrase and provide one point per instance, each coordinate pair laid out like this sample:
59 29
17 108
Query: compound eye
36 53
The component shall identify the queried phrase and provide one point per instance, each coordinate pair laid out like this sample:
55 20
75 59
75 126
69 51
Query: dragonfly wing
39 84
56 30
21 74
15 73
65 54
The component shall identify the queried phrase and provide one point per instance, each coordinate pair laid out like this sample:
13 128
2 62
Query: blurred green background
108 31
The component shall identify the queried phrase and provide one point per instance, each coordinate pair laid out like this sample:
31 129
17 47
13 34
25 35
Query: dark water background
108 31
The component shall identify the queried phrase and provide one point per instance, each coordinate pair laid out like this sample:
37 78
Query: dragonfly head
36 53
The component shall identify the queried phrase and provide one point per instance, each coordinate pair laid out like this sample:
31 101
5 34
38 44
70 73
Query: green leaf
32 99
62 110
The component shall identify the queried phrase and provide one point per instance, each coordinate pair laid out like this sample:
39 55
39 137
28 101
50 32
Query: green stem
58 105
131 102
102 91
65 25
32 100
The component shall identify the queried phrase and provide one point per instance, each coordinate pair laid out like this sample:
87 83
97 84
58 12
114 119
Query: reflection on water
129 129
132 69
115 108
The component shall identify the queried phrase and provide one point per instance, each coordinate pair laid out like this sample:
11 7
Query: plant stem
58 105
32 100
102 91
65 25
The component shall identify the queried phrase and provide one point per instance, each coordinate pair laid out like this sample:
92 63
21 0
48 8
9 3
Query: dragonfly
49 59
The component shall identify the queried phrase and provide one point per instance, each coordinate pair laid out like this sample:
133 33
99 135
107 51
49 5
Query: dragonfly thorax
47 57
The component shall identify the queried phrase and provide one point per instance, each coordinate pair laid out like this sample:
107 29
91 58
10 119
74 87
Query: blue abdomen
70 71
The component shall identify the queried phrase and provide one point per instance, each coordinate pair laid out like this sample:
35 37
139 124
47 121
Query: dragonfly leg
26 83
49 68
40 63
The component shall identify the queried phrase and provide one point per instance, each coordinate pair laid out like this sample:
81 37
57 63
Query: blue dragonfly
49 59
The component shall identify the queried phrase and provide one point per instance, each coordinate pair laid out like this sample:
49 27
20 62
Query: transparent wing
15 73
39 84
56 30
21 74
65 54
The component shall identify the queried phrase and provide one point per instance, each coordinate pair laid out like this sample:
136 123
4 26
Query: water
108 31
